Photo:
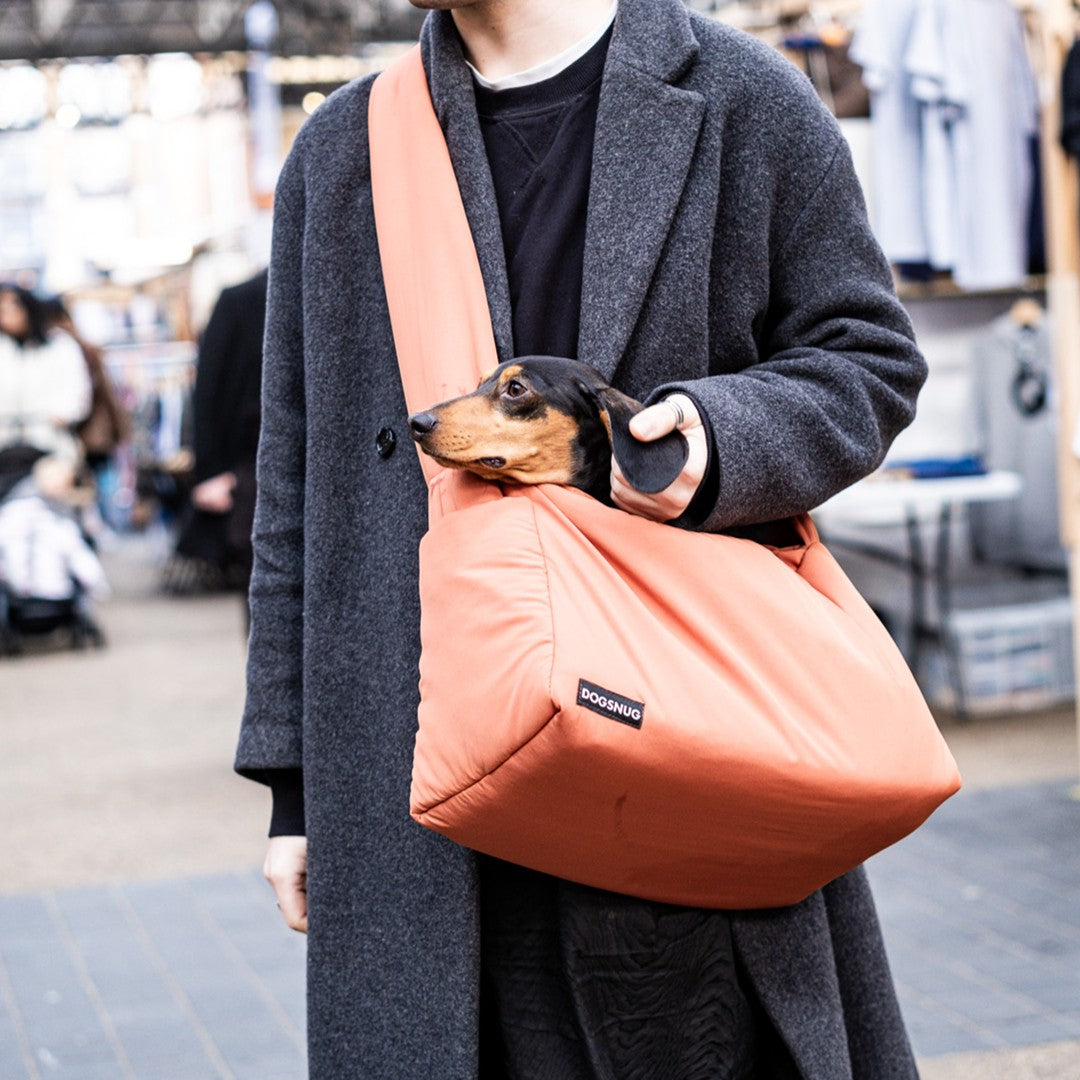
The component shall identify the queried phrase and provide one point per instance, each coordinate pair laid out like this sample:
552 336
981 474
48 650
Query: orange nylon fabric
749 731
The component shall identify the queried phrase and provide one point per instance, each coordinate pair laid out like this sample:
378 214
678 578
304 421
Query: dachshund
548 420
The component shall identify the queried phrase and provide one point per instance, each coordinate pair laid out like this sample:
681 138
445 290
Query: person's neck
503 37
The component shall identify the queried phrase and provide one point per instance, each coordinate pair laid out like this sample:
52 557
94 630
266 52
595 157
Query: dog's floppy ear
649 467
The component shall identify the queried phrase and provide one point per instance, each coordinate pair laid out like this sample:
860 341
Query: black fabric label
606 703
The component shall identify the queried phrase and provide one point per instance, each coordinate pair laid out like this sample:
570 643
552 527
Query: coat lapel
455 106
646 136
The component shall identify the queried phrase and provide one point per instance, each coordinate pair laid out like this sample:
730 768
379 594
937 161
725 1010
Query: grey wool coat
728 253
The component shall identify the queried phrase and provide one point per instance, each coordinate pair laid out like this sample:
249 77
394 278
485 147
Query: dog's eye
515 389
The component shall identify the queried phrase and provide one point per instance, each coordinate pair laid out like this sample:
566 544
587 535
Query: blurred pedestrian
44 553
108 424
45 389
226 412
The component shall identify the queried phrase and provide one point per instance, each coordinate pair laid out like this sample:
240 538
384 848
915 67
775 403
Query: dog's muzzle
421 424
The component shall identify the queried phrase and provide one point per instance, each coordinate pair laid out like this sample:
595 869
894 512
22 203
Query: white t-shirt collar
549 68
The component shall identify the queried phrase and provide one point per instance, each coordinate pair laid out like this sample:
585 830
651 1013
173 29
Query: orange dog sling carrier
685 717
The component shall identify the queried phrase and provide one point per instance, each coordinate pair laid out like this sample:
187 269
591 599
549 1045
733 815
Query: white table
885 500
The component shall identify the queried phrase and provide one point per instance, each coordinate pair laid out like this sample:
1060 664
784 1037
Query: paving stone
919 1018
149 1040
1047 1061
978 909
144 1012
1062 997
231 1006
260 1062
1037 1029
946 1038
1043 941
241 910
937 983
271 1069
48 991
987 1005
71 1058
1060 905
24 920
93 912
9 1038
13 1067
83 1071
980 917
165 1043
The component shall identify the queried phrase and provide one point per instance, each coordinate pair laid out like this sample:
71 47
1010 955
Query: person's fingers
663 506
630 499
658 420
285 868
292 903
677 410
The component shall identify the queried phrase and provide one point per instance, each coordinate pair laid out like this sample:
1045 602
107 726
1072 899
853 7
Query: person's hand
214 496
286 870
676 411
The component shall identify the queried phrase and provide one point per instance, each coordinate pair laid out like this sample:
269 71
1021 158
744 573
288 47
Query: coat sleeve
838 371
270 733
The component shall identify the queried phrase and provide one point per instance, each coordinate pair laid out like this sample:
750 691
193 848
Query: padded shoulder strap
434 288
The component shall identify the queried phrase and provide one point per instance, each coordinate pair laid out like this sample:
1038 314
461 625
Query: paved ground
181 979
981 911
117 764
137 939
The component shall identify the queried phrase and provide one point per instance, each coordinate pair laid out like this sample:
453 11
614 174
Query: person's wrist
701 506
287 817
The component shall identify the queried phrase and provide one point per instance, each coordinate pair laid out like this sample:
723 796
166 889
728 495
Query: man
225 410
666 199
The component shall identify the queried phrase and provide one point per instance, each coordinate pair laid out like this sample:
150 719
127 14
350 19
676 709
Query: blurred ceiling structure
56 29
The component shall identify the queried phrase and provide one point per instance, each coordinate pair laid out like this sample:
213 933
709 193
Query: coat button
385 442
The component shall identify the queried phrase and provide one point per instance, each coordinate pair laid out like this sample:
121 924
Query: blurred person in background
216 534
49 571
45 389
107 425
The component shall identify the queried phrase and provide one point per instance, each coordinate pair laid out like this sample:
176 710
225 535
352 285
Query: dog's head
547 420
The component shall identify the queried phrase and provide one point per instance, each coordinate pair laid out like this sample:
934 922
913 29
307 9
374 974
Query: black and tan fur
547 420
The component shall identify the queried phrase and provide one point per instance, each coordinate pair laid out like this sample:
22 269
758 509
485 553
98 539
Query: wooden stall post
1057 31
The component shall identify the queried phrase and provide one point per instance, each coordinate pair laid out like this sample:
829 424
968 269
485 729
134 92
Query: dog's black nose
422 423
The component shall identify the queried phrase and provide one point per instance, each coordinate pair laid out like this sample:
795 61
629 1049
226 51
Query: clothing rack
1053 27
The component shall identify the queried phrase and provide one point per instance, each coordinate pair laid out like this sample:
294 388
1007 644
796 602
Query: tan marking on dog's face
504 431
605 419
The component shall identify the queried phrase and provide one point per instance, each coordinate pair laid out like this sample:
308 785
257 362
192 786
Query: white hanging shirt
969 66
880 46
